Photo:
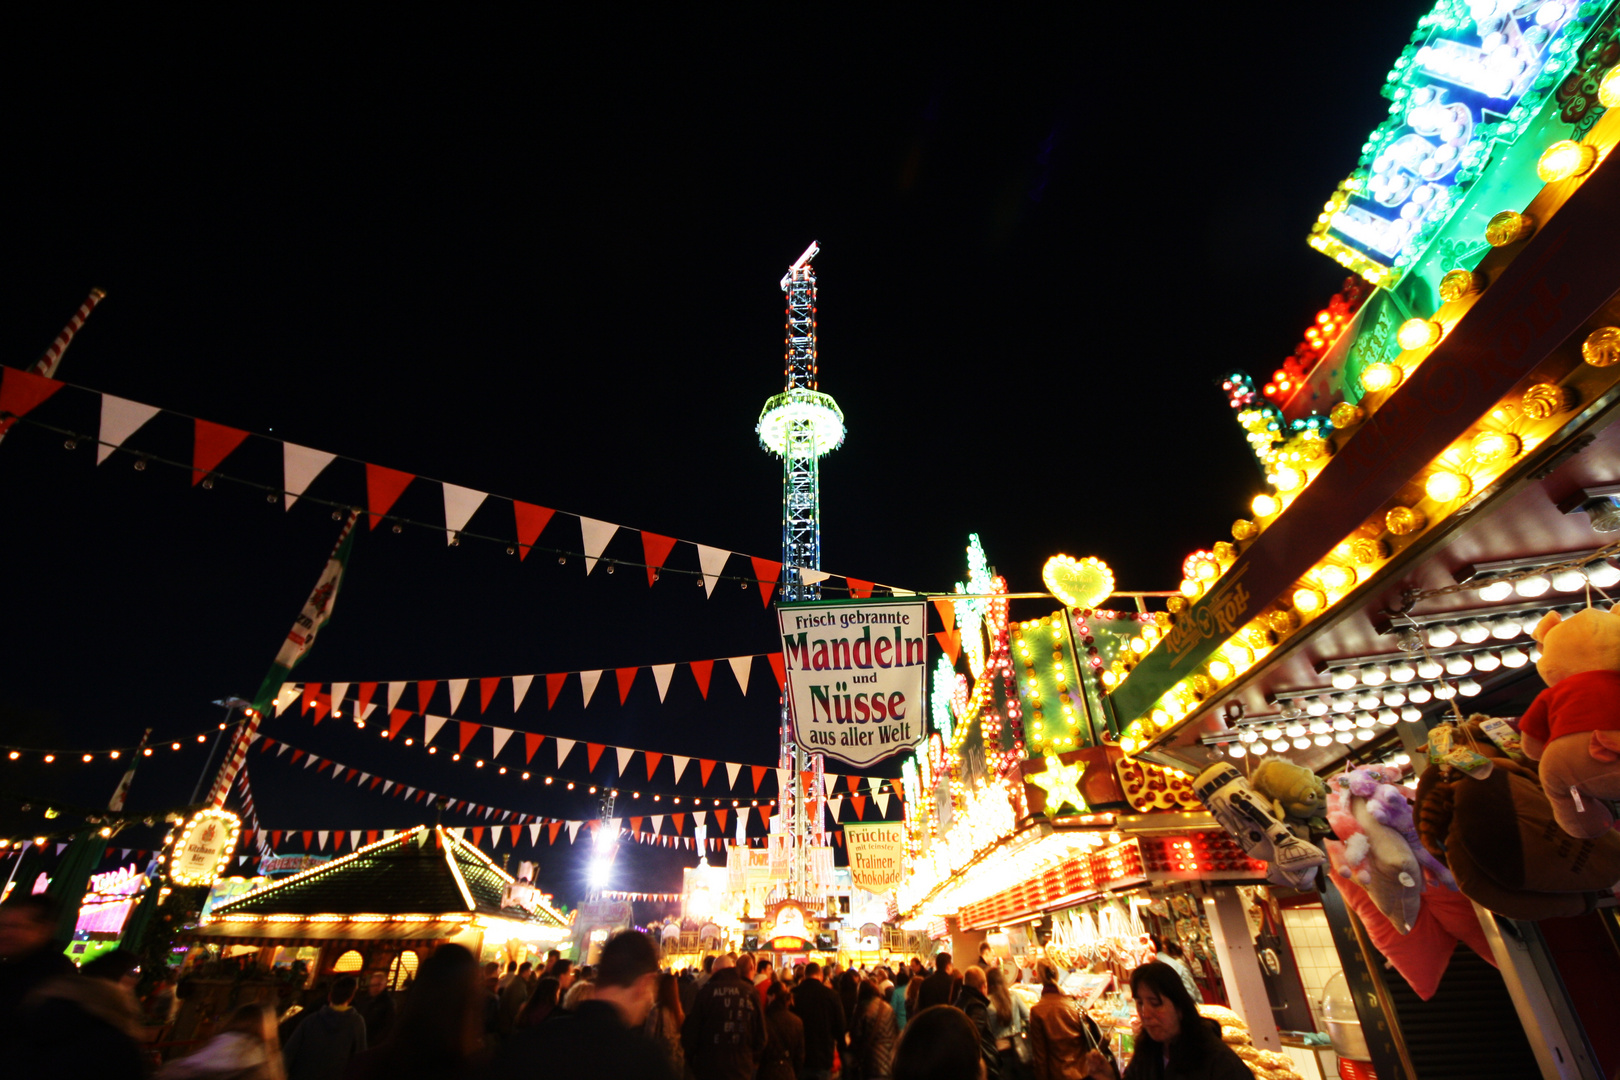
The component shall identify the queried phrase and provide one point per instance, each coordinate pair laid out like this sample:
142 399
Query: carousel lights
1381 376
1446 486
1564 160
1418 333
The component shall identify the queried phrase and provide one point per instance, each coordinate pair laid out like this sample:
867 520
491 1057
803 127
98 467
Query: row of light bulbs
1402 672
1600 573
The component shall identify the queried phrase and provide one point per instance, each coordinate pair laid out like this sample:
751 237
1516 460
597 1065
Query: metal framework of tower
799 425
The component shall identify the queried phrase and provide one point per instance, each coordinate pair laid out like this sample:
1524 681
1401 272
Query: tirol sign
855 675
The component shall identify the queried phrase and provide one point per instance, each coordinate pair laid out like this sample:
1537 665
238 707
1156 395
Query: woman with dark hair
872 1035
541 1003
1064 1042
783 1058
440 1028
1176 1043
939 1043
664 1020
849 990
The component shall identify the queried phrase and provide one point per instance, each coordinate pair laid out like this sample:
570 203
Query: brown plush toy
1573 726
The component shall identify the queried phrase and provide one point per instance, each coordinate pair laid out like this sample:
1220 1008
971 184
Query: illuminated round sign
205 846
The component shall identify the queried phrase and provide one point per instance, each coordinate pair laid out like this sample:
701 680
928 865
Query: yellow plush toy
1573 726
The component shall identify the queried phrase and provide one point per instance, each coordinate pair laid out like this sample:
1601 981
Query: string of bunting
212 443
648 897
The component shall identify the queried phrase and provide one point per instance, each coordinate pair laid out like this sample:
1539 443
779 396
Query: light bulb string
1412 598
1451 702
192 739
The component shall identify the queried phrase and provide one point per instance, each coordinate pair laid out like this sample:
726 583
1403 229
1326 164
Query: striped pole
47 364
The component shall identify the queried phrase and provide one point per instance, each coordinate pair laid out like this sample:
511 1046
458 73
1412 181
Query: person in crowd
1171 953
439 1033
849 992
506 980
688 989
514 997
872 1034
246 1048
897 996
375 1004
664 1020
725 1033
577 994
914 989
552 956
541 1003
28 955
600 1036
1175 1042
84 1023
491 1003
1064 1042
762 981
824 1023
937 989
324 1044
1008 1018
783 1057
973 1000
939 1043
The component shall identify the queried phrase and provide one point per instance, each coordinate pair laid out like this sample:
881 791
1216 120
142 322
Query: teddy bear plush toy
1573 726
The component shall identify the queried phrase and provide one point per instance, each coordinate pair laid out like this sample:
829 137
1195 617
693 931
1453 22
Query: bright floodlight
801 414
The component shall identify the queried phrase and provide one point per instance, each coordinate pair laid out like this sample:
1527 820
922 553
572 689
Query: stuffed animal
1375 855
1388 805
1248 818
1297 795
1573 726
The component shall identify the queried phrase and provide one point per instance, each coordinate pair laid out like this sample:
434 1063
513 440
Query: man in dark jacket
724 1034
28 956
376 1008
602 1037
823 1016
973 1000
936 989
324 1044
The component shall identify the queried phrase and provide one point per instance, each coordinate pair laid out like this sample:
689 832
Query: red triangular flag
635 825
264 747
396 720
627 678
759 774
20 391
593 754
766 572
364 698
468 730
424 694
516 830
210 445
652 762
553 829
531 522
383 487
950 641
554 685
275 838
323 706
947 613
858 589
486 691
780 668
860 806
765 816
680 822
309 834
720 815
296 755
531 743
839 837
349 775
702 670
478 835
375 780
311 692
657 549
371 836
706 767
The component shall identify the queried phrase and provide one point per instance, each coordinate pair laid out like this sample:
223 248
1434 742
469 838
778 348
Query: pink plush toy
1573 726
1380 849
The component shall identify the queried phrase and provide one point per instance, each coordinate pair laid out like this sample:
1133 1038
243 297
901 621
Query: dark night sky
545 264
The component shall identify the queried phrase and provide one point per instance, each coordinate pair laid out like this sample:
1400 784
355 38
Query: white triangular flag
624 754
741 666
289 693
119 420
363 778
813 577
282 749
459 505
564 746
534 834
340 690
323 834
680 765
354 839
309 760
408 793
835 804
882 800
662 673
782 780
732 769
573 830
431 726
395 689
520 689
387 784
901 592
371 707
828 780
657 823
596 535
501 734
495 836
458 688
587 683
712 561
299 467
702 818
457 831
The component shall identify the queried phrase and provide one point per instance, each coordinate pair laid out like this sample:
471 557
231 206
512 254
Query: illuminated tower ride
799 425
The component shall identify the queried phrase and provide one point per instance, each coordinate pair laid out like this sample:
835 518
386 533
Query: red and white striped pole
47 364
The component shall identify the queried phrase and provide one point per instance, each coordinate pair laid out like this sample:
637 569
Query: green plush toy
1297 795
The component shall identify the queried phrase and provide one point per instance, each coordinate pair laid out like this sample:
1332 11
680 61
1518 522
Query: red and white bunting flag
702 671
595 535
835 804
657 549
119 420
299 467
828 782
766 572
882 798
211 444
712 561
432 724
587 682
354 839
424 693
732 769
783 780
534 833
495 838
459 506
395 691
531 522
741 667
486 692
386 785
627 679
501 734
652 762
662 673
657 823
564 748
573 830
458 690
384 486
290 692
531 743
624 755
701 817
323 834
813 577
340 690
520 690
680 765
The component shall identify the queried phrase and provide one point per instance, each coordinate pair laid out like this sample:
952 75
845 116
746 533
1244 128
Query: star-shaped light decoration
1062 785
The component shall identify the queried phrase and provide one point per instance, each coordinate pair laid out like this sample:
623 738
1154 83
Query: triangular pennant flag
431 726
828 782
363 778
531 522
680 764
596 535
860 806
495 838
882 798
732 769
554 685
765 816
720 816
487 688
712 561
20 391
384 486
340 690
779 669
299 467
396 720
593 754
782 781
657 549
458 690
839 837
635 825
312 692
947 613
950 642
759 774
812 577
309 835
520 690
564 747
395 691
424 693
468 730
323 834
652 762
573 831
701 817
120 419
388 784
741 666
289 694
311 760
680 822
766 572
531 743
212 444
587 683
657 824
858 589
624 754
478 835
362 699
354 839
552 829
627 679
501 734
516 831
534 833
662 673
458 831
705 767
459 506
702 671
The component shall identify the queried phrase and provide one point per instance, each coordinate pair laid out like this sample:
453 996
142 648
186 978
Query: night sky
544 264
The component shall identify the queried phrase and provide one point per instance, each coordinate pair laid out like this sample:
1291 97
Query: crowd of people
735 1018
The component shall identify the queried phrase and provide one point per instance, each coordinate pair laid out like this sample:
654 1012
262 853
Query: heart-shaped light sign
1079 583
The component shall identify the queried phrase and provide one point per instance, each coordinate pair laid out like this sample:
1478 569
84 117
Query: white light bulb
1320 727
1602 573
1505 629
1411 714
1394 698
1514 657
1280 745
1248 734
1533 586
1345 678
1469 688
1271 734
1324 740
1473 631
1402 672
1302 743
1420 695
1342 724
1343 703
1365 720
1429 668
1445 691
1496 590
1529 622
1367 701
1344 736
1403 759
1535 654
1442 637
1487 661
1294 730
1388 717
1316 707
1375 675
1458 665
1569 580
1236 749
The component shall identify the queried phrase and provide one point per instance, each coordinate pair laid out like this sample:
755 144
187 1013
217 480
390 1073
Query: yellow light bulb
1376 378
1264 505
1335 576
1190 589
1220 670
1565 159
1308 599
1609 88
1446 486
1405 520
1138 646
1417 333
1494 446
1288 479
